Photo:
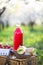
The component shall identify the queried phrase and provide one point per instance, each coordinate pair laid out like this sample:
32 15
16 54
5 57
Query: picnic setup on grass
18 54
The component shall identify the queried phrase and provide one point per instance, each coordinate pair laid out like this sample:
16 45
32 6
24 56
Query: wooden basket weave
31 61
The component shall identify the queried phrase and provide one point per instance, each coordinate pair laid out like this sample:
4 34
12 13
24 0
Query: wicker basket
2 60
30 61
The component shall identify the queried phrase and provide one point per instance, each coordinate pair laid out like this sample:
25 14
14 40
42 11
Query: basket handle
7 61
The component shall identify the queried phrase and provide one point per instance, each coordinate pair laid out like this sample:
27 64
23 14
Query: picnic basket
31 61
26 60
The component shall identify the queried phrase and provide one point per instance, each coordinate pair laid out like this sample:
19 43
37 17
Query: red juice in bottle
18 38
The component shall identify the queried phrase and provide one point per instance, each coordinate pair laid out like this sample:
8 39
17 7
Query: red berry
1 46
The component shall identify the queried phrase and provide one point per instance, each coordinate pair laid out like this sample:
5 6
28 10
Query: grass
31 38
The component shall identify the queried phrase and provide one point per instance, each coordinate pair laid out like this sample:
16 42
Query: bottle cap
18 25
